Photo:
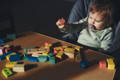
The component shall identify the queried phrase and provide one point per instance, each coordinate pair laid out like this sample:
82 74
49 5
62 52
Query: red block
102 64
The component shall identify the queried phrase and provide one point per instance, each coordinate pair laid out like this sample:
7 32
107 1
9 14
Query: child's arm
69 28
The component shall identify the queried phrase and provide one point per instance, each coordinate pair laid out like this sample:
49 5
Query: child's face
97 20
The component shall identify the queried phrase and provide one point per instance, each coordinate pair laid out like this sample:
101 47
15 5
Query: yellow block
8 56
59 54
10 64
111 64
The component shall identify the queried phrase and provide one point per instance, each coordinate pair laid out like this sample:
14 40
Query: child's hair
105 7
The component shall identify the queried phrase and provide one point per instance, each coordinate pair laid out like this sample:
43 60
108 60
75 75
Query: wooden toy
47 45
84 64
52 60
42 58
19 68
77 48
1 41
102 64
8 56
37 55
55 51
59 54
16 57
111 64
69 52
1 51
10 64
30 58
6 72
38 50
2 57
50 55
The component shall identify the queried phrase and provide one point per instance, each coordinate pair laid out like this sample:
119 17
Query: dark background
33 15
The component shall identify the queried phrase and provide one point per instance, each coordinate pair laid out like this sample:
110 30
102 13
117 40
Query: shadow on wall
39 16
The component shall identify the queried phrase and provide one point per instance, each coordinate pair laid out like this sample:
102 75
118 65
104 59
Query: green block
52 60
42 58
50 55
7 72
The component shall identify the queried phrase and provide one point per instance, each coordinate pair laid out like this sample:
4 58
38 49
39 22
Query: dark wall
36 15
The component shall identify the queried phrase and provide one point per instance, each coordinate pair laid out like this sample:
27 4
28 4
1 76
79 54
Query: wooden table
65 70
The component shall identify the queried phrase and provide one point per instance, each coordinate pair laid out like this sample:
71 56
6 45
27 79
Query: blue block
16 57
30 58
84 64
1 41
5 54
2 57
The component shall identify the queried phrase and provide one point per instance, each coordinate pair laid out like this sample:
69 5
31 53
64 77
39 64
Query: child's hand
60 23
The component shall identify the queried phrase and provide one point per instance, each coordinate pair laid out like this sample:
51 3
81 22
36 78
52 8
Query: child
95 30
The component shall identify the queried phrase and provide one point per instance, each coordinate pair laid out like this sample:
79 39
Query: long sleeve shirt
100 39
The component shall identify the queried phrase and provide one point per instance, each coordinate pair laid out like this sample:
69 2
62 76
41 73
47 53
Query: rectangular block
111 64
10 64
19 68
6 72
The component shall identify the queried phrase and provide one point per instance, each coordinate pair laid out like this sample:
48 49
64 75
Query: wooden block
102 64
8 56
19 68
111 64
30 58
6 72
84 64
1 52
52 60
50 54
10 64
77 48
16 57
69 50
42 58
59 54
36 55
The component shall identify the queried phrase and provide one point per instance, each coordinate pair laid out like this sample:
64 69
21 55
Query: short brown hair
105 7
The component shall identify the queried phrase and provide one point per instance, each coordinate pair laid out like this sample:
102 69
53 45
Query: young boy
95 30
